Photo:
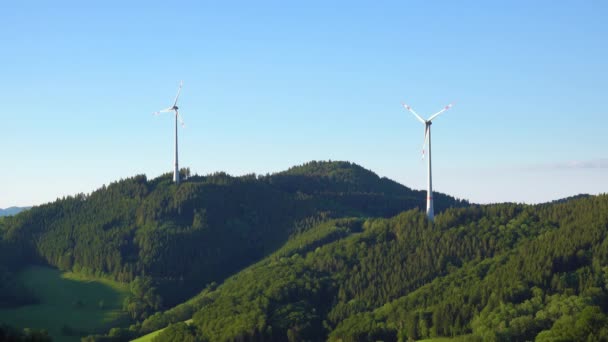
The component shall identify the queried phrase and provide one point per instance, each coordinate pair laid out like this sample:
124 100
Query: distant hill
12 211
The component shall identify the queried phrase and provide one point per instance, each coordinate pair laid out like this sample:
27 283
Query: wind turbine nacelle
175 108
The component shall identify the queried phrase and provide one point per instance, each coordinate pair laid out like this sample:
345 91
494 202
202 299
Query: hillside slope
186 237
495 273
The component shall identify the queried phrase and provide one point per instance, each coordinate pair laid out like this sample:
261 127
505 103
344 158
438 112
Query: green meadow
152 335
71 305
149 337
463 338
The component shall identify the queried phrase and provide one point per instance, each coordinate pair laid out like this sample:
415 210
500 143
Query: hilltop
176 240
321 251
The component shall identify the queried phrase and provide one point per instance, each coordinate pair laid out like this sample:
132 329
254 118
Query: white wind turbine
427 138
175 109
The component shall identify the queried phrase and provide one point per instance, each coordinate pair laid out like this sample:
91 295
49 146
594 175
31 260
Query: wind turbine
427 138
175 109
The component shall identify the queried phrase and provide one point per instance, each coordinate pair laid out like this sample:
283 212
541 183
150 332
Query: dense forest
490 273
324 251
171 242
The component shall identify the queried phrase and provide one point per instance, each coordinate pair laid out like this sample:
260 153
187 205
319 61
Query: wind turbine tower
430 212
175 109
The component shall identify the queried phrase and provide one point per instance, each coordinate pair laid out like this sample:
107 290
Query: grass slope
149 337
83 304
463 338
152 335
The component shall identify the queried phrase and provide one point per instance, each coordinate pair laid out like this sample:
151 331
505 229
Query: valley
69 305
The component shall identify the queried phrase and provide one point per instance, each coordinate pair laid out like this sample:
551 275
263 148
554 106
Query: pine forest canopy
203 230
324 250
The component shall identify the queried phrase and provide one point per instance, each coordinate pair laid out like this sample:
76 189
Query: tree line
170 242
490 273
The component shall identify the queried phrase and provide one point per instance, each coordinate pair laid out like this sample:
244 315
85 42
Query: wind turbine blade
181 120
181 83
166 110
413 112
426 139
441 111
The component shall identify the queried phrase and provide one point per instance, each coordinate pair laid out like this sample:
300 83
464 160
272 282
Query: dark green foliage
176 314
10 334
142 300
493 273
539 288
12 293
178 332
332 279
310 254
202 231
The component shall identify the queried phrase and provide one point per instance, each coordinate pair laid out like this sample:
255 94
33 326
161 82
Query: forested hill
182 238
502 272
323 251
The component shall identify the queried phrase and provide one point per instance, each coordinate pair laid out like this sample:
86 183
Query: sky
272 84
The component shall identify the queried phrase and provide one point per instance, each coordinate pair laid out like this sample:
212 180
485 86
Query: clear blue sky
268 85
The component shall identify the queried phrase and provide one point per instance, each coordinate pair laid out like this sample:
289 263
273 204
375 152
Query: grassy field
68 301
150 336
448 339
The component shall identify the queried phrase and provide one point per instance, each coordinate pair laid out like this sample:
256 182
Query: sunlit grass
68 302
